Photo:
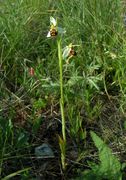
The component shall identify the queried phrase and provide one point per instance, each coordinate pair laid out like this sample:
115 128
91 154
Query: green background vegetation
94 88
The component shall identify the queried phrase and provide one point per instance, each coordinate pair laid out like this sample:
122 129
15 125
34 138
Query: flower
69 51
54 29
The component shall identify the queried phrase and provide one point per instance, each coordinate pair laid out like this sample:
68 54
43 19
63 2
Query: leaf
22 140
15 173
110 166
62 145
92 83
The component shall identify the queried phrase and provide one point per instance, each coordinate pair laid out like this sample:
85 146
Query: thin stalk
63 141
61 89
2 154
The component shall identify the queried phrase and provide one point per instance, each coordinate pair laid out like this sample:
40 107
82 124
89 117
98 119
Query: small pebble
44 151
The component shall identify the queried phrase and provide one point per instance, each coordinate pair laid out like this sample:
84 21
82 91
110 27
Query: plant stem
63 142
61 89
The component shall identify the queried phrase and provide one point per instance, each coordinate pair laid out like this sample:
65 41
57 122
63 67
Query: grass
94 85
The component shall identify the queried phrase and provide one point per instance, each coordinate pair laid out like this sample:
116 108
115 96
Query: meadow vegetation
92 85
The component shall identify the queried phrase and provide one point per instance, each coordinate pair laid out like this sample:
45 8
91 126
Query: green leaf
22 139
62 145
109 166
15 173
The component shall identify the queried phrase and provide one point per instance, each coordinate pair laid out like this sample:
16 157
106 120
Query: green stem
61 89
63 141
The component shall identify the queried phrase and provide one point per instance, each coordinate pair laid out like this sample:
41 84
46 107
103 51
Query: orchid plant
65 54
